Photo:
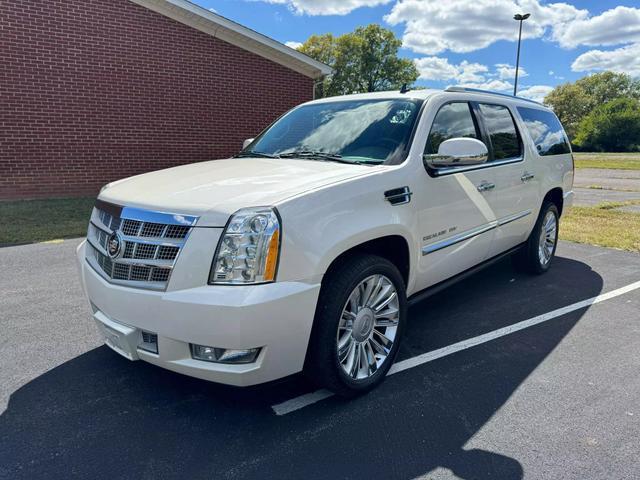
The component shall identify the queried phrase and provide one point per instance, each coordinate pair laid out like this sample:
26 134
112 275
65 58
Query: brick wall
96 90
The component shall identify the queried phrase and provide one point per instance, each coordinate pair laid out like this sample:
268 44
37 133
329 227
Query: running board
438 287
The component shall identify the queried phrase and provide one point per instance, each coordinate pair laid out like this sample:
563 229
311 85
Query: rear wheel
537 254
358 325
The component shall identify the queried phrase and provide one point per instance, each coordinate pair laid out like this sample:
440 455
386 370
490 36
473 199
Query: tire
537 253
359 334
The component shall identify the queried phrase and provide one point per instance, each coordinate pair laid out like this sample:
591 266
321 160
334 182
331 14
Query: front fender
321 225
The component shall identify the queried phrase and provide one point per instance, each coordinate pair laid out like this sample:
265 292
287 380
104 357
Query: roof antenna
404 88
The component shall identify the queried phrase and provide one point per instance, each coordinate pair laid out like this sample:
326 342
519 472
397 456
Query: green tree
574 101
611 127
365 60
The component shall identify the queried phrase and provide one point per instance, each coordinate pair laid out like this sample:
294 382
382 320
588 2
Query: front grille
149 244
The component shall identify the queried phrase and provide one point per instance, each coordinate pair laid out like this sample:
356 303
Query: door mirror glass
458 152
247 142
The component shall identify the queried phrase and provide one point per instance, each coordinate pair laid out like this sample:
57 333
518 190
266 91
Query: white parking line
310 398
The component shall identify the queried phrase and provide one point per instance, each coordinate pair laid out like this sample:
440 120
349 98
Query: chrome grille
150 244
131 227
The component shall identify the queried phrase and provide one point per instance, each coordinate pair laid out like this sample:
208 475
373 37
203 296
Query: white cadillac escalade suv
300 253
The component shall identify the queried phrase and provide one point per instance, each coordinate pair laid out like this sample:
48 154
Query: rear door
514 200
455 221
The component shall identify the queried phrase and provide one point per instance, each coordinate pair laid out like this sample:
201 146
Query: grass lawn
618 161
29 221
601 225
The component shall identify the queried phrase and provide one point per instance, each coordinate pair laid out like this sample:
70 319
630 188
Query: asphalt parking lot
557 400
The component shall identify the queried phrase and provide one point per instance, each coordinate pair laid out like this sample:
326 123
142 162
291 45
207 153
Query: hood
216 189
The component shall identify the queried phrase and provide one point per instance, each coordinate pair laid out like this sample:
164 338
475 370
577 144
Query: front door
455 221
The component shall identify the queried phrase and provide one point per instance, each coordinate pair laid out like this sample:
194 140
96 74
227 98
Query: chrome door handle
485 186
526 176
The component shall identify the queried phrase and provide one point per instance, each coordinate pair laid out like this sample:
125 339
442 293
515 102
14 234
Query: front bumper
276 317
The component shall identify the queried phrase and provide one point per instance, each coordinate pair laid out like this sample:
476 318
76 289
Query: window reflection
502 131
453 120
545 130
375 130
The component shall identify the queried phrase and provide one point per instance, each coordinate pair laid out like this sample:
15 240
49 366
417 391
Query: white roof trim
217 26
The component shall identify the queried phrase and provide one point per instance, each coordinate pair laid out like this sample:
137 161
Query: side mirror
247 142
458 152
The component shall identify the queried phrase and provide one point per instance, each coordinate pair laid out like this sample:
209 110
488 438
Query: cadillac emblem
114 244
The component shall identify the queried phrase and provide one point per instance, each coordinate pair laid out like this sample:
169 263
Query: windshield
356 131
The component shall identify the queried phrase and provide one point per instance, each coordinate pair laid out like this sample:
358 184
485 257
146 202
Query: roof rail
488 92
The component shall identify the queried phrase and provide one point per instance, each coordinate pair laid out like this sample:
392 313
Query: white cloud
625 60
508 72
495 85
536 92
294 45
326 7
466 74
463 26
437 68
613 27
551 72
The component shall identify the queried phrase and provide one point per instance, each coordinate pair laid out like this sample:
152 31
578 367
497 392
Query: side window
501 130
546 131
452 120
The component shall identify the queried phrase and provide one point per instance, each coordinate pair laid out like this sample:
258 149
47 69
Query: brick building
96 90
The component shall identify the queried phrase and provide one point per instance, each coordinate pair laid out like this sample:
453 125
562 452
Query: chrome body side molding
466 235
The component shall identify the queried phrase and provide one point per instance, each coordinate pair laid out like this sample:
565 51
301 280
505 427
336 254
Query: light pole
521 18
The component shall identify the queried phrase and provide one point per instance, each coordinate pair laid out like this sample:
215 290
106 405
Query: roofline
491 92
217 26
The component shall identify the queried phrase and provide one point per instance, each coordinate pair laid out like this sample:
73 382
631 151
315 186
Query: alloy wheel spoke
371 358
384 340
381 295
368 290
355 366
344 343
377 284
353 302
378 348
349 357
364 361
385 301
387 318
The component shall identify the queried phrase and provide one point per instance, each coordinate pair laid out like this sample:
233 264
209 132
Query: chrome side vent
398 196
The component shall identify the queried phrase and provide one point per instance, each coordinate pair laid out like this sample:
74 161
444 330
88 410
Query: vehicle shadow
100 415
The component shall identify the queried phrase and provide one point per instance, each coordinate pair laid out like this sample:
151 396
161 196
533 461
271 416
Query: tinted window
502 131
546 131
452 120
372 131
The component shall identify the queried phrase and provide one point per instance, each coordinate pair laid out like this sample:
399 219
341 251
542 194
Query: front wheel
358 325
537 254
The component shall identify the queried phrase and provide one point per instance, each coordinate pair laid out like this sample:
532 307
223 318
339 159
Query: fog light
148 341
223 355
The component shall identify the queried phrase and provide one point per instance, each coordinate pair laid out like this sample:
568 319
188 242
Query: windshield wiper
254 153
332 157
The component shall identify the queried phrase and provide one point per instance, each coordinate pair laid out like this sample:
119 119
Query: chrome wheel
547 240
368 326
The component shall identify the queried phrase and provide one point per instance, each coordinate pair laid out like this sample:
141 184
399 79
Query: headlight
248 248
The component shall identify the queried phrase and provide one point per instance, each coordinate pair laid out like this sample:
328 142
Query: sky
469 42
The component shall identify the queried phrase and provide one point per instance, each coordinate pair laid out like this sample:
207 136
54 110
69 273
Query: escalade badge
114 244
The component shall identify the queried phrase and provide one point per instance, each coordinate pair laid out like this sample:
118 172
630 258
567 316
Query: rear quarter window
545 130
